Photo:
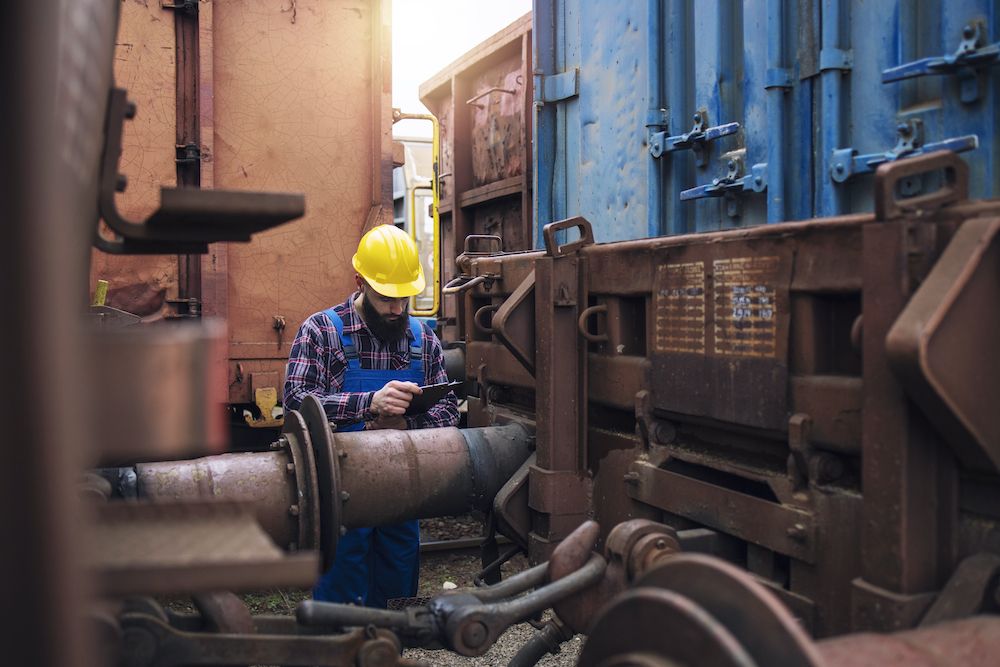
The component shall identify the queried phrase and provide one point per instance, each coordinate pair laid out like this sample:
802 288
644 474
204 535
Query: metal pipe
384 477
394 476
831 197
655 112
776 113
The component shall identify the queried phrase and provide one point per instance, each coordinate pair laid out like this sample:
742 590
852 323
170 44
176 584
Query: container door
669 117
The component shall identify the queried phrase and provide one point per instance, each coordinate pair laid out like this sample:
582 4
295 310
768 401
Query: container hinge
184 309
847 163
557 87
777 77
697 139
964 62
733 184
186 6
187 153
836 59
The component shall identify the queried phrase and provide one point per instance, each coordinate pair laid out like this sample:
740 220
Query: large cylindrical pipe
393 476
259 478
381 477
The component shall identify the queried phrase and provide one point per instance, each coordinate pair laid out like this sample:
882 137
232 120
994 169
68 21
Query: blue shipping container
674 116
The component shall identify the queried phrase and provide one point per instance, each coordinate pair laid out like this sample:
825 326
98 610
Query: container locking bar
971 54
847 163
731 185
696 139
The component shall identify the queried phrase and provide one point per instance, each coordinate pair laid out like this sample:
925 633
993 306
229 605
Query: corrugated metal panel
805 80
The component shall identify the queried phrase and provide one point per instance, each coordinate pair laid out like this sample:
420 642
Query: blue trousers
372 566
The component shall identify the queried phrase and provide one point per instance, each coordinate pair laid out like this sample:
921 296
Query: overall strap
346 341
417 346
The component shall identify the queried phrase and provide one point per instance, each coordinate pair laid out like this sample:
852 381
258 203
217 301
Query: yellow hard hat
387 259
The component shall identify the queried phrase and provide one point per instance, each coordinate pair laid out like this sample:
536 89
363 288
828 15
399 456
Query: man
365 360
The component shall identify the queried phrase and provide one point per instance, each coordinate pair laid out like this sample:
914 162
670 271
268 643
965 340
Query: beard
386 328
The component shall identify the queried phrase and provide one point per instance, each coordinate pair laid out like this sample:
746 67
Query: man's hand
394 422
394 398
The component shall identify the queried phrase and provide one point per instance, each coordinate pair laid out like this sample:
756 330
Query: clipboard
432 393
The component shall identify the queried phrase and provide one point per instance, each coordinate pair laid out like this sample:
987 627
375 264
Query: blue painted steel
655 114
804 80
778 81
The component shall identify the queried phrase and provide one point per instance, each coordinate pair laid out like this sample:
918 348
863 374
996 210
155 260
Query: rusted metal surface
190 546
261 480
942 344
972 641
289 273
315 483
742 381
483 102
180 413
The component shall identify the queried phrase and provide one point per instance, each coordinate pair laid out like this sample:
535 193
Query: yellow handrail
397 115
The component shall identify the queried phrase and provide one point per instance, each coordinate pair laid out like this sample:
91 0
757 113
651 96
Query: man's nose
396 307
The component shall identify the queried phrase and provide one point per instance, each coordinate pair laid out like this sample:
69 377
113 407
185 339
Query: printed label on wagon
680 308
745 308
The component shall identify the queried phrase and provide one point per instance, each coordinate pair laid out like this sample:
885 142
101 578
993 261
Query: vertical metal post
543 33
52 111
678 93
655 112
776 207
188 133
906 528
832 198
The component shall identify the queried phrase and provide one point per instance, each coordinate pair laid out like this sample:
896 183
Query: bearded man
365 359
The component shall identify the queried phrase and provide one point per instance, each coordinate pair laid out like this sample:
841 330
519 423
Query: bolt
121 182
345 496
342 454
731 165
904 129
474 634
839 168
697 118
661 544
130 110
631 478
293 510
290 467
968 31
797 532
757 180
665 433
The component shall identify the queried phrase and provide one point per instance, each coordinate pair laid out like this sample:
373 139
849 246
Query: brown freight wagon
257 96
483 102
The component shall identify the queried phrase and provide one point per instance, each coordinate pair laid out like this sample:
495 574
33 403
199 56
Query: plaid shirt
317 363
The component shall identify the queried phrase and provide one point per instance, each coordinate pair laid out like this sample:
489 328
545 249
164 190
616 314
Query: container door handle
846 162
695 139
971 54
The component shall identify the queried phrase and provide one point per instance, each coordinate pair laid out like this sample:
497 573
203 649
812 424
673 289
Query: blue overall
373 565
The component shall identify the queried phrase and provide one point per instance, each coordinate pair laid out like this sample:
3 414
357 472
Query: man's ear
358 281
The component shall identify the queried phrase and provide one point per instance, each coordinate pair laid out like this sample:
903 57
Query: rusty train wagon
254 96
778 395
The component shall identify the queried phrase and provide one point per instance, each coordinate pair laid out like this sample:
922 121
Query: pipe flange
303 463
328 476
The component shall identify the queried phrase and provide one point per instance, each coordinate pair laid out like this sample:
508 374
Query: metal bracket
963 62
187 219
696 139
186 6
557 87
910 143
732 184
839 59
